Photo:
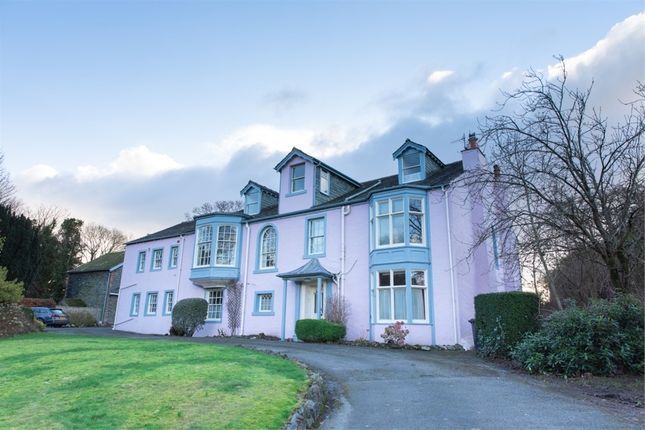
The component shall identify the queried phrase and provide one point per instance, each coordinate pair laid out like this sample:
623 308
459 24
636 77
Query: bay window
415 221
419 293
390 219
391 295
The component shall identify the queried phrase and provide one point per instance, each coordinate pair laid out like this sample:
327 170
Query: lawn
61 381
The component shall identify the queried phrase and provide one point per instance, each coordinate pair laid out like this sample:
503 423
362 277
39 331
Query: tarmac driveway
394 389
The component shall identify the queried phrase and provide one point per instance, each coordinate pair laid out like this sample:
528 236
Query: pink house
396 248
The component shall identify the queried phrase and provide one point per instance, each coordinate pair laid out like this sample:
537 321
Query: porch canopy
309 271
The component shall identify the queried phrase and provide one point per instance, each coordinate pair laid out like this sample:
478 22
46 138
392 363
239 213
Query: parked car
53 317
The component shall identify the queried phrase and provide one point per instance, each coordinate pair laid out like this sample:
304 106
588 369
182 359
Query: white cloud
138 161
439 75
38 173
270 139
626 35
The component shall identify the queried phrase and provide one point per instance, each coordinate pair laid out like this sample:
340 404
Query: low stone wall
13 321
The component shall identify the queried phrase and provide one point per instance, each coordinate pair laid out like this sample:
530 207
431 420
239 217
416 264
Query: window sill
310 256
149 315
259 271
213 321
155 270
295 193
263 314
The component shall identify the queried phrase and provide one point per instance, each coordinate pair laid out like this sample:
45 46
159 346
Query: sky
129 114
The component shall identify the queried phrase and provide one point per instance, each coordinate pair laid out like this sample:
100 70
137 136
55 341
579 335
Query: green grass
61 382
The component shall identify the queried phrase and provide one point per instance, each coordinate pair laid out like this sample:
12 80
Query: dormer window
411 166
252 203
298 178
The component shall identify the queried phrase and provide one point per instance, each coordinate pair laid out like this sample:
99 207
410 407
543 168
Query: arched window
268 247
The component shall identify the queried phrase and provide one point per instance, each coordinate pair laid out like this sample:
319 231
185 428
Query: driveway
392 389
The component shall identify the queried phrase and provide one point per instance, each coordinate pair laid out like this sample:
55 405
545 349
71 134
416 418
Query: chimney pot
472 141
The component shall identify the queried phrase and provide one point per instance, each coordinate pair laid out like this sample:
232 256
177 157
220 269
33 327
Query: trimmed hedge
81 317
502 319
319 331
605 338
188 316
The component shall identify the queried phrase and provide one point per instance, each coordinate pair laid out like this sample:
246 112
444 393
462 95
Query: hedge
35 302
502 320
188 316
319 331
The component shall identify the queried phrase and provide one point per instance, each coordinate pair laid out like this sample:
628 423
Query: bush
502 319
395 334
604 339
319 331
188 316
33 302
81 318
74 302
10 291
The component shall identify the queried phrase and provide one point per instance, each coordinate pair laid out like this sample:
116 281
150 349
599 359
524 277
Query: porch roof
312 269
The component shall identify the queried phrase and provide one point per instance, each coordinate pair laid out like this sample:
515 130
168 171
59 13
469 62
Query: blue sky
130 113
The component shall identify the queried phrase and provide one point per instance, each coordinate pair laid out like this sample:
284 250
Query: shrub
319 331
337 310
604 339
81 317
74 302
188 316
395 334
33 302
502 319
10 291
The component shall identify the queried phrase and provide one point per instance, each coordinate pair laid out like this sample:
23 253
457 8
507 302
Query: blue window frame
267 250
315 236
263 303
252 203
134 305
141 262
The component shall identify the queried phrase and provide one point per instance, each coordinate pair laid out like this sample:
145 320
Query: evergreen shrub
319 331
188 316
605 338
502 319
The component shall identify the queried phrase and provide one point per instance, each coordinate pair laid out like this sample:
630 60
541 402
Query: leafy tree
10 291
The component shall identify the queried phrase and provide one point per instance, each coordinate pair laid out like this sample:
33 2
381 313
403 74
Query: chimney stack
472 141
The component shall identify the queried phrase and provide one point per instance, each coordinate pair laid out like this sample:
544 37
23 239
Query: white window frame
204 241
390 215
265 252
215 295
423 220
150 303
173 259
391 287
168 302
219 242
293 178
310 237
411 177
249 203
141 262
425 295
157 259
262 301
325 182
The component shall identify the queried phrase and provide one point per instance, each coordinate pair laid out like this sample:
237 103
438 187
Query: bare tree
97 240
47 215
216 206
7 188
571 181
234 307
337 310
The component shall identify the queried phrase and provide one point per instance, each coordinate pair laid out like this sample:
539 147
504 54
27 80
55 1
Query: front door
309 300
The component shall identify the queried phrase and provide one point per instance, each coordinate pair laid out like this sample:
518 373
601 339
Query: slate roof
267 190
101 264
311 269
185 227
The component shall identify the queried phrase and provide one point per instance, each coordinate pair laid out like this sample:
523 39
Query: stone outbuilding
97 284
